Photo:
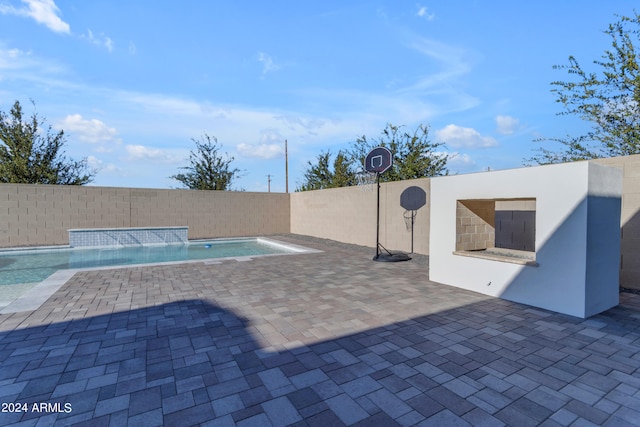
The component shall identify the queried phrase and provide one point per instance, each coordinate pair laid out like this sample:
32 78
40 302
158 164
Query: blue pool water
36 265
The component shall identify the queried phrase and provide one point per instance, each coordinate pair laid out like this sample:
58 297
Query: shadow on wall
577 259
348 215
578 268
189 362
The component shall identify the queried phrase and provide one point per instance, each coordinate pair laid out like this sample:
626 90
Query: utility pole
286 166
269 183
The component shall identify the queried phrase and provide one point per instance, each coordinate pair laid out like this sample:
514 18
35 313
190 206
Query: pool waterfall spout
123 237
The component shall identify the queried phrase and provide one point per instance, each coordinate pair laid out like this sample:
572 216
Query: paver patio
322 339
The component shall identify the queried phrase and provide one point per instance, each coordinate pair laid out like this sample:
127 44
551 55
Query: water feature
123 237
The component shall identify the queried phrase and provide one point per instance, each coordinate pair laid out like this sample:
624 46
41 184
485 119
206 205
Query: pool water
22 267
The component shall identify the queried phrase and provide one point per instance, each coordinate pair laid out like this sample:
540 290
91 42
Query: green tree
609 100
208 170
29 156
320 175
414 155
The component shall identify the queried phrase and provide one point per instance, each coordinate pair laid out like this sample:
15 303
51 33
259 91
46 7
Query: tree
414 155
319 176
608 100
28 156
208 170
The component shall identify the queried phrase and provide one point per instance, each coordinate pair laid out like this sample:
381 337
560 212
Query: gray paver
317 339
444 418
281 412
389 403
361 386
112 405
346 409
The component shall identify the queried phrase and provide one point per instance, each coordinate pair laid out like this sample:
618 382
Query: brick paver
324 339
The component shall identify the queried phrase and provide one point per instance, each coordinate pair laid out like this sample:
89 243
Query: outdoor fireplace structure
546 236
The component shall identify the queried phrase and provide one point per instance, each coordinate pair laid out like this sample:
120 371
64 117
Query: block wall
212 213
475 221
349 215
630 218
36 215
32 215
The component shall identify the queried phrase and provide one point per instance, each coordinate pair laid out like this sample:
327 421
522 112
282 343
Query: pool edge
39 294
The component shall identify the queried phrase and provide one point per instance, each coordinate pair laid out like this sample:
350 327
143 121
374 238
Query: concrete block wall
475 224
32 215
349 215
630 218
37 215
212 214
339 214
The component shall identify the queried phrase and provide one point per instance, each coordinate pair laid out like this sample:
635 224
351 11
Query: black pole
413 217
378 218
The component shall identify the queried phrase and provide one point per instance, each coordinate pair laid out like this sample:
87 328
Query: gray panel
516 230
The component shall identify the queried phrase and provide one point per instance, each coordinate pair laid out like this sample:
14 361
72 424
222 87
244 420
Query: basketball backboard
379 160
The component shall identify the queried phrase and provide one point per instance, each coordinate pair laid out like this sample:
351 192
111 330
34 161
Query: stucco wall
576 239
41 214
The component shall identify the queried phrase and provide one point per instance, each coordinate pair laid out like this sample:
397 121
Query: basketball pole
413 218
378 217
380 160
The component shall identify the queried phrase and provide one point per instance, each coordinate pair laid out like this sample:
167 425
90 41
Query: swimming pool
27 266
22 271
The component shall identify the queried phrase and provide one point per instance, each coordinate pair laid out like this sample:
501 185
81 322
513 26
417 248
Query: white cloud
132 48
25 66
423 12
311 125
506 125
267 63
262 151
46 12
454 62
460 162
42 11
461 137
101 40
140 152
12 58
98 165
93 131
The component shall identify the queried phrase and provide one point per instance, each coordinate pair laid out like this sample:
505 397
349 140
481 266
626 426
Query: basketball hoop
366 181
409 219
378 161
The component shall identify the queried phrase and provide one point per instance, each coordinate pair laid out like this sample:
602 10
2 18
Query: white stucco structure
577 236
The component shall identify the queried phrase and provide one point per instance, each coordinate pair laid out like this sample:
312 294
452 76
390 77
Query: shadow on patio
190 362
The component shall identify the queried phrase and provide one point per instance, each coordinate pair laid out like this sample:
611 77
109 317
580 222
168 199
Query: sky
133 83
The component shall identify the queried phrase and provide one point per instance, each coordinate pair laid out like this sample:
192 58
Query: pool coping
36 296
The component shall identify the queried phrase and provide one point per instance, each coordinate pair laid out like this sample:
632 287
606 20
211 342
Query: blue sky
131 83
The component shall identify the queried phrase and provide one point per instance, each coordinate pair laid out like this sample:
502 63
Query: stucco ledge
494 257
